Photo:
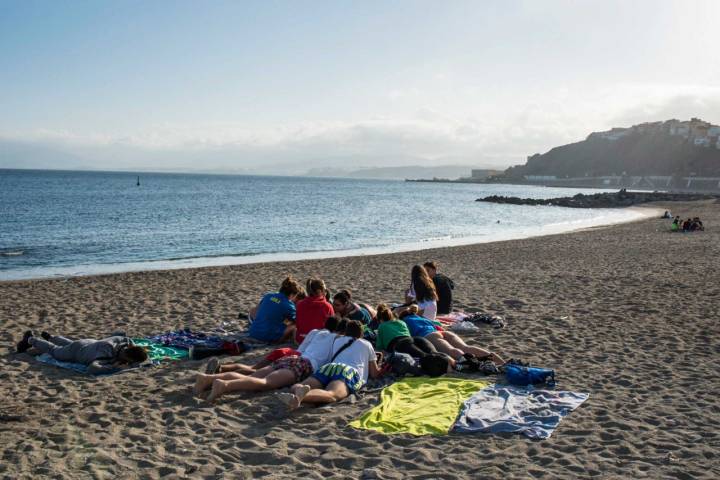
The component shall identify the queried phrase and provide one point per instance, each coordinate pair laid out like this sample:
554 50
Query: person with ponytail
285 370
393 336
313 310
272 313
352 362
445 342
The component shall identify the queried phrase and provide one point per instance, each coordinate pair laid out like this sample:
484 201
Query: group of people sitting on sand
334 358
689 225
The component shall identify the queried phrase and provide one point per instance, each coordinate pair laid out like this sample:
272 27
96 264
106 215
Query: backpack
526 375
434 364
402 364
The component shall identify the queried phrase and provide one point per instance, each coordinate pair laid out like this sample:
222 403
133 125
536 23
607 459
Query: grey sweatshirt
99 355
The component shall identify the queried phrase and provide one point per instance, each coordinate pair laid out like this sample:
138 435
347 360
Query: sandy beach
627 313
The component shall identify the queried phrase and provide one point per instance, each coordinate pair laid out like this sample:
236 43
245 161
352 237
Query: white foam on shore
611 217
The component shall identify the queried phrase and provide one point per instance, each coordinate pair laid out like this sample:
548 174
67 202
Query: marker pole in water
138 181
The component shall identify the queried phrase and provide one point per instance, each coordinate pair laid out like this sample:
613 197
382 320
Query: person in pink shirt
312 311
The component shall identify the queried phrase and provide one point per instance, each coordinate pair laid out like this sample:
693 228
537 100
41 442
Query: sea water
67 223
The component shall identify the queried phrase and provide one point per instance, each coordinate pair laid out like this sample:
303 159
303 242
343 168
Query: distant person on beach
443 286
345 307
312 311
352 361
314 352
100 356
444 341
676 225
666 214
273 320
422 291
696 225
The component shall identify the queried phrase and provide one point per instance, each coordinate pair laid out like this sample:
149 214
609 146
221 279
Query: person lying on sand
353 360
268 320
315 350
393 336
445 341
100 356
332 324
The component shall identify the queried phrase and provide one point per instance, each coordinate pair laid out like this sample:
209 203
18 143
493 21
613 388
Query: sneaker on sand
213 366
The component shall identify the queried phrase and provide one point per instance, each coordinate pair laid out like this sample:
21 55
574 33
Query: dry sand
627 313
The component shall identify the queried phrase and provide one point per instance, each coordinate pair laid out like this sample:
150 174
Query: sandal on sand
213 366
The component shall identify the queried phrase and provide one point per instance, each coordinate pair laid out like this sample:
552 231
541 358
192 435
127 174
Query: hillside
661 148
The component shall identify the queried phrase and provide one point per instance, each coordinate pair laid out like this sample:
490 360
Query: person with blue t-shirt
268 323
444 341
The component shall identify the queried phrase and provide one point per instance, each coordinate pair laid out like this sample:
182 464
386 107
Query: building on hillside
540 178
648 127
612 134
479 173
681 129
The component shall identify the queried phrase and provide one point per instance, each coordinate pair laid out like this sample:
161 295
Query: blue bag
520 375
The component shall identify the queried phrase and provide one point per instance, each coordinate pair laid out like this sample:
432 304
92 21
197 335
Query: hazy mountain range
34 155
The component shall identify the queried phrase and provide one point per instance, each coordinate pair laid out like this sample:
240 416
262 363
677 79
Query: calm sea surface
57 223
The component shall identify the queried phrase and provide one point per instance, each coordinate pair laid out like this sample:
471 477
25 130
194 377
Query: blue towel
79 367
507 408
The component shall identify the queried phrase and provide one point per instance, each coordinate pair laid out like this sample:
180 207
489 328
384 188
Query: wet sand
628 313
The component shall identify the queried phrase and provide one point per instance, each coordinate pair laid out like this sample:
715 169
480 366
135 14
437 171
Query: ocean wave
13 253
437 239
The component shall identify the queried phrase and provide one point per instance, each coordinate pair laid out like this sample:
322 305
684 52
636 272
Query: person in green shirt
393 336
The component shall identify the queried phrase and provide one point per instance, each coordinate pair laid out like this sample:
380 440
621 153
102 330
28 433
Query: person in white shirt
422 291
315 351
352 362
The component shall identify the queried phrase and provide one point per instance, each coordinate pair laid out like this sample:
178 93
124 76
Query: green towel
159 352
419 405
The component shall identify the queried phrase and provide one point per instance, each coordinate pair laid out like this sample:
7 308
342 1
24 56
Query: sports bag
522 375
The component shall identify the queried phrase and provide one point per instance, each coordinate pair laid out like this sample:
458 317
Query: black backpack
434 364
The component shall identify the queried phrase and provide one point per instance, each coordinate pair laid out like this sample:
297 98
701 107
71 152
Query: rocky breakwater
619 199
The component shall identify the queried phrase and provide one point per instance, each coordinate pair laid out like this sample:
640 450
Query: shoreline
58 273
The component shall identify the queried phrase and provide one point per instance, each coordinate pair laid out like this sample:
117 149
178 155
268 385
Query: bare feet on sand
218 388
202 383
295 398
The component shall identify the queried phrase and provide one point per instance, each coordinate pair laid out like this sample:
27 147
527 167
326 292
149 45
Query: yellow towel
419 405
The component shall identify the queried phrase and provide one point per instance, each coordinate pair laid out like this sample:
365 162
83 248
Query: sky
274 87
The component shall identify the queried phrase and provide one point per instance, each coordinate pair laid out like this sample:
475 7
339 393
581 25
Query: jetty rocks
619 199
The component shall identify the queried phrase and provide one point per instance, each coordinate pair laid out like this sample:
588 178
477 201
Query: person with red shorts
314 352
